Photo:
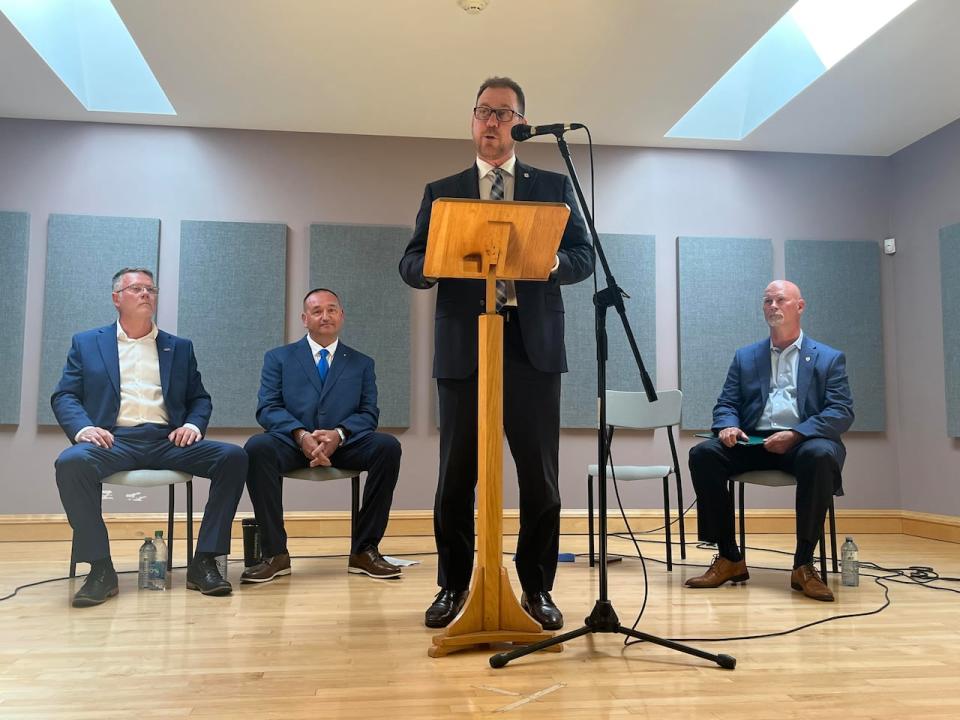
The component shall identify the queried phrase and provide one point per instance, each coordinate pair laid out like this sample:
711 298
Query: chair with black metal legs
154 478
632 410
777 478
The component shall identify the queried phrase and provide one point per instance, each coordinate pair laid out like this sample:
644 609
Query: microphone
525 132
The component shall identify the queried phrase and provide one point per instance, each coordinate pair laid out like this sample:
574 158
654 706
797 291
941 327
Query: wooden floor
325 644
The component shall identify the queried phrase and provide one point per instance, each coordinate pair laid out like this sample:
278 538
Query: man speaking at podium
534 357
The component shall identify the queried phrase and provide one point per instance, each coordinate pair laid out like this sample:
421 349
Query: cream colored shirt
141 394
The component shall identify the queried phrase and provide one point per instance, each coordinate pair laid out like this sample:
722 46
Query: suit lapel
468 185
340 359
762 358
165 355
305 358
107 340
524 179
805 364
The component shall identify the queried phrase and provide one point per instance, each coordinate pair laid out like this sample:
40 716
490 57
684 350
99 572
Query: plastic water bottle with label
158 571
850 563
148 556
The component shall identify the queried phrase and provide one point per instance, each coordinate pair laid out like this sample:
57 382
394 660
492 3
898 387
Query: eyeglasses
140 289
504 115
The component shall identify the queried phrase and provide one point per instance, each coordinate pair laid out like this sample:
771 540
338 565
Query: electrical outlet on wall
889 246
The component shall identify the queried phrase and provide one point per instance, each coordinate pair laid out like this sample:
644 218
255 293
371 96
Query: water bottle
850 563
148 556
158 571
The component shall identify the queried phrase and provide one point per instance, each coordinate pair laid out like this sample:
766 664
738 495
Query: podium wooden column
491 240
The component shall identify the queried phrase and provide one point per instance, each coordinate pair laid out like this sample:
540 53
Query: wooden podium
491 240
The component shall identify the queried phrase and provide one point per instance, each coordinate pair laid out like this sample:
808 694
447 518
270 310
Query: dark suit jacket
459 302
291 395
89 390
823 392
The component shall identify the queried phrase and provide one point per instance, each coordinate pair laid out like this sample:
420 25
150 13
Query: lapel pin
807 358
526 175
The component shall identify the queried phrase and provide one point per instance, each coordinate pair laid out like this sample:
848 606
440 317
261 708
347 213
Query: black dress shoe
445 607
540 607
204 576
101 583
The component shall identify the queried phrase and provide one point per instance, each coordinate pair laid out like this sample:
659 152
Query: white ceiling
627 68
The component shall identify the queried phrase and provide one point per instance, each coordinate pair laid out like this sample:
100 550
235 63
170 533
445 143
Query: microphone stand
603 618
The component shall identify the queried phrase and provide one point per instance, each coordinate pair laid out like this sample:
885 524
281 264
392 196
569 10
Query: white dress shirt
781 411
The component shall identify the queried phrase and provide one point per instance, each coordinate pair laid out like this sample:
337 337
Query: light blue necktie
323 367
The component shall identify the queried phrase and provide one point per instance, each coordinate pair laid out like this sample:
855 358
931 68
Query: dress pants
531 422
271 457
813 462
81 468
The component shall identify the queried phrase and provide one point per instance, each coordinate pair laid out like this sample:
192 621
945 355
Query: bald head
782 307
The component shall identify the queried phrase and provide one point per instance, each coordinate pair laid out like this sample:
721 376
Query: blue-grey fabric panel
14 246
840 282
720 284
631 259
83 253
232 306
359 263
950 294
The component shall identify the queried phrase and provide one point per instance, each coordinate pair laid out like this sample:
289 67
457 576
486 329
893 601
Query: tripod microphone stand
603 618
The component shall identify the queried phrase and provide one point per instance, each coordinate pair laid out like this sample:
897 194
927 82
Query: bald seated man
793 392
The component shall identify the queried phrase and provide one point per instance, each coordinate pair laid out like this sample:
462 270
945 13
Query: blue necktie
323 367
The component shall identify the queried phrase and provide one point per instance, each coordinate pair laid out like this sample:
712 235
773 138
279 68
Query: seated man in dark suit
131 398
793 391
318 405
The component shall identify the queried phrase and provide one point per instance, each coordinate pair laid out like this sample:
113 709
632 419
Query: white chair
324 474
153 478
633 410
777 478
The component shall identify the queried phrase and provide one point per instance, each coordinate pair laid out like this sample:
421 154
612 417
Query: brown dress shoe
806 579
719 572
370 562
267 570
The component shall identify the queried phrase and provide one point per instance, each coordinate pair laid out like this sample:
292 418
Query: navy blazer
89 390
823 391
291 395
539 304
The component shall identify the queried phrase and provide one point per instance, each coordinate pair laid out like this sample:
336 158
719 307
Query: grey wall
926 179
182 173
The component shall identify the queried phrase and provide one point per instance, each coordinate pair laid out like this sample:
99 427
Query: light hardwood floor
325 644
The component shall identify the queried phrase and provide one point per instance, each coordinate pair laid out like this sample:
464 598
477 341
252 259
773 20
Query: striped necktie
496 193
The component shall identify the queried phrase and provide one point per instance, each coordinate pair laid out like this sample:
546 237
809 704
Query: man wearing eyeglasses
534 358
131 398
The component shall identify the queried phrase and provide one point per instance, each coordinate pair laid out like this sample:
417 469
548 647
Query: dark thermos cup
252 552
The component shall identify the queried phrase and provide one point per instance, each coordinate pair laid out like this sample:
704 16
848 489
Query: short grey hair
123 271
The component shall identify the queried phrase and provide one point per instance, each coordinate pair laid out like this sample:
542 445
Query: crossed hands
319 445
181 437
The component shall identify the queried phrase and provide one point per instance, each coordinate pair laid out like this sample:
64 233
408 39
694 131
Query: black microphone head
521 132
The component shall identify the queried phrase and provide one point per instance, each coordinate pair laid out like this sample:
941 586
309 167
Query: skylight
806 42
89 48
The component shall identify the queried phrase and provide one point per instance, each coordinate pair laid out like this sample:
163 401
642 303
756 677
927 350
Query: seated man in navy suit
318 405
793 391
131 398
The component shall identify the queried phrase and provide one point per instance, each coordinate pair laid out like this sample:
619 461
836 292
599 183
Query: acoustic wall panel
14 246
721 283
950 294
359 263
231 305
83 253
840 282
631 259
